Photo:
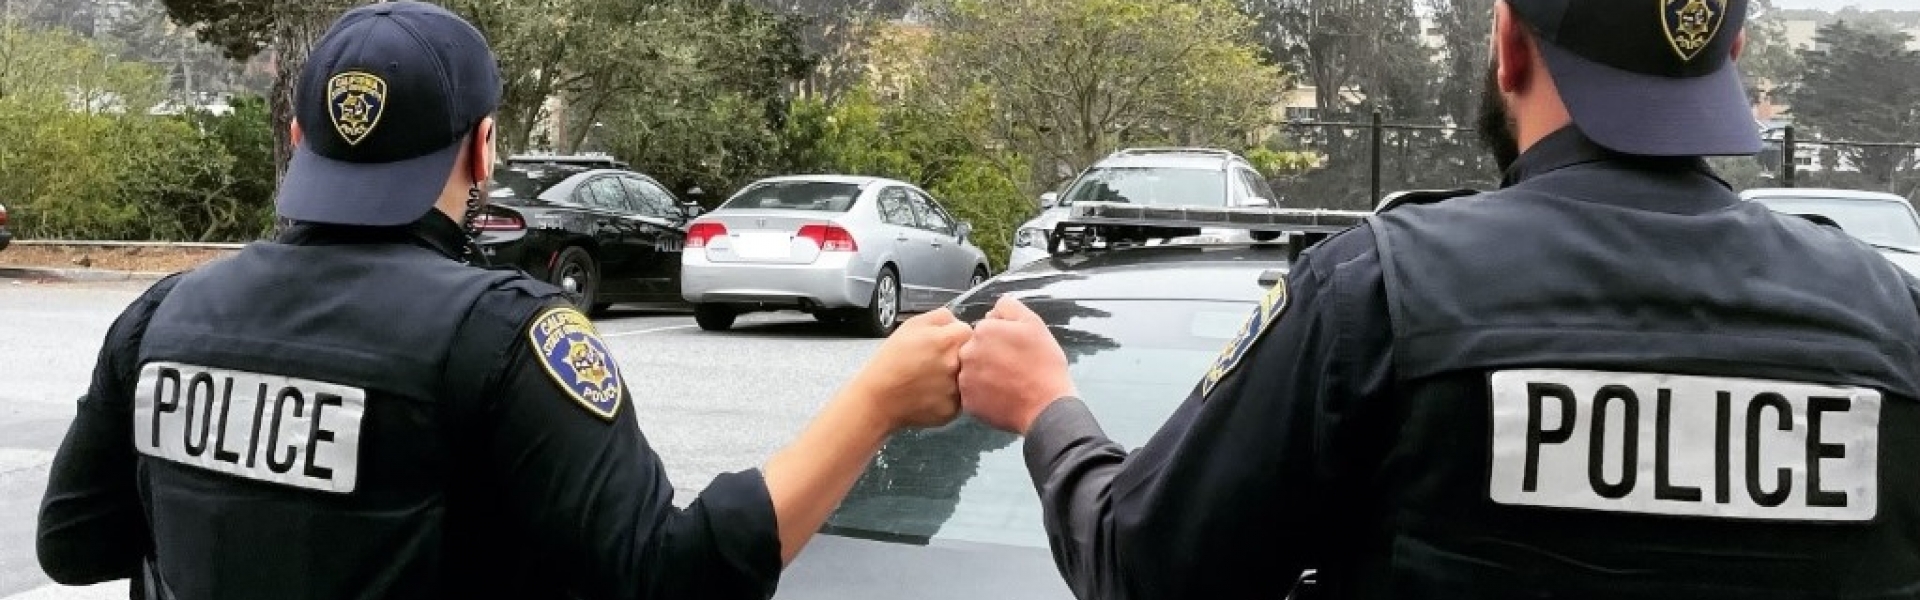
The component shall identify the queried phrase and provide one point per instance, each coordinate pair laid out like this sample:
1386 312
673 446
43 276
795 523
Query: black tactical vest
1607 402
290 416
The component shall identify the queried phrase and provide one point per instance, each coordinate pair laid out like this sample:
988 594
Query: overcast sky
1839 4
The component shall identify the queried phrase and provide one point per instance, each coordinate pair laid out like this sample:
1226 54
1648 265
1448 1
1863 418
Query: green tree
243 29
1862 86
1767 62
1071 80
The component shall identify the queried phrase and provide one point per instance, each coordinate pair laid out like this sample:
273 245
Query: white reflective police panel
1683 445
263 427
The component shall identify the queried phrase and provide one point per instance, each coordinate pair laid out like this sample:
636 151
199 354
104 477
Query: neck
1538 117
453 201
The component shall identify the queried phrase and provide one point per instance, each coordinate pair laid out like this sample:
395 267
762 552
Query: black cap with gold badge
1648 77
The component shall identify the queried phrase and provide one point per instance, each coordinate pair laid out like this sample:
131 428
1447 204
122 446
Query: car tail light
492 221
3 216
830 238
699 234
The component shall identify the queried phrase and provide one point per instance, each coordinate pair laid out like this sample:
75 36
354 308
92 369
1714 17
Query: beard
1495 125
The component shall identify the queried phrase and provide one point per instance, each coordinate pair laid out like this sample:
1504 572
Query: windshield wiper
1900 249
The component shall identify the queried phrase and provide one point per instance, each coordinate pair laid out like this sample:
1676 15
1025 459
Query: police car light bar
1263 219
1092 224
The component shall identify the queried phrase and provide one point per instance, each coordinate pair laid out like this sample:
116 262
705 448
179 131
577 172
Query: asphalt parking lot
709 402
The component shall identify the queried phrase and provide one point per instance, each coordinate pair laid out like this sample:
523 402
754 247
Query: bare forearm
810 477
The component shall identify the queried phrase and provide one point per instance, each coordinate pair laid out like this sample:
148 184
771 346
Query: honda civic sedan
858 251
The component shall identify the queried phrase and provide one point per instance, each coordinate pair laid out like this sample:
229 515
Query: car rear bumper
833 281
6 237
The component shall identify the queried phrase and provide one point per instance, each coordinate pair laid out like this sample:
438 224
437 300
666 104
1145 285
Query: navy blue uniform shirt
1262 477
553 500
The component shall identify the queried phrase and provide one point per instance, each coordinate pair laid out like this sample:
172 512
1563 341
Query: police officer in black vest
349 411
1609 378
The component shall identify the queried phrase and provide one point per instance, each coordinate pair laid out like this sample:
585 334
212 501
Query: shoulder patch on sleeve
577 360
1403 198
1257 324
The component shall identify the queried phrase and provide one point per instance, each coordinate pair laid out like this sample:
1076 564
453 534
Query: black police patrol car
951 512
588 225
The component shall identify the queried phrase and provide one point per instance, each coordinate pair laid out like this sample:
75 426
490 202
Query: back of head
1648 77
383 105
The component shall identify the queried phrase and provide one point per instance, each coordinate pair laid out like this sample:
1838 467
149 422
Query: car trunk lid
765 236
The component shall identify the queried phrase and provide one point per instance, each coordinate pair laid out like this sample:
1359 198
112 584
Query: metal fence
1361 160
1791 160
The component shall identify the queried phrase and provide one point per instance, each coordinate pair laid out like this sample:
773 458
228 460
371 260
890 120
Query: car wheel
575 273
883 309
714 317
979 277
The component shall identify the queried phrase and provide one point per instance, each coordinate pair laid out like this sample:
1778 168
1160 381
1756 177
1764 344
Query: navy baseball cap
386 98
1648 77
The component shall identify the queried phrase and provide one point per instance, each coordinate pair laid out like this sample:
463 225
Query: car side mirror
963 230
692 209
1049 199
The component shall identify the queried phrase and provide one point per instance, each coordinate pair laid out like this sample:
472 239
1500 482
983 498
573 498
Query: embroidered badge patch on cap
576 359
355 101
1271 306
1691 24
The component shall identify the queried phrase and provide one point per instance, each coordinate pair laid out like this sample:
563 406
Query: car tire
714 317
883 308
575 272
979 276
833 317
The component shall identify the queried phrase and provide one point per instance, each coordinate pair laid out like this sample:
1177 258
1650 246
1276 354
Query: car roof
1201 272
860 180
1170 158
566 159
1823 193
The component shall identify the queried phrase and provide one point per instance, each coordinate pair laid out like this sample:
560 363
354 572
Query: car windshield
1134 362
823 196
1878 222
1155 186
527 183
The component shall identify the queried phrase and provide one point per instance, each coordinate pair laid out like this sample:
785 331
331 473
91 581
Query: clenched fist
912 378
1013 368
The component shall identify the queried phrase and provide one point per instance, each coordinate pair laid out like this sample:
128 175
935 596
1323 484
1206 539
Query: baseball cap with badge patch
1648 77
385 99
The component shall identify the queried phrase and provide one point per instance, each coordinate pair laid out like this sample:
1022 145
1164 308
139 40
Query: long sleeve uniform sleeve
1245 485
91 526
596 498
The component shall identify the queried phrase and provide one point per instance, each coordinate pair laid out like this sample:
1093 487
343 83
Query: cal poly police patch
576 359
1271 306
355 100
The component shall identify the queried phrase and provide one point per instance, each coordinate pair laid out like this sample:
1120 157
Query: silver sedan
849 250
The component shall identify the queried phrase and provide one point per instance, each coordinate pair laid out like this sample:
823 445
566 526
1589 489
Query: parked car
1155 177
6 237
605 235
850 250
1885 221
951 512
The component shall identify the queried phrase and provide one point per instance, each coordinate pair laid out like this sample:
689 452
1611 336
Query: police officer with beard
1608 378
349 411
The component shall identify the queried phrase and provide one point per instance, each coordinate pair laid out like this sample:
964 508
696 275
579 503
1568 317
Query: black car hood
833 567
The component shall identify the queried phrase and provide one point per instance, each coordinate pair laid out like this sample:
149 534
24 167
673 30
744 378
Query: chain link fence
1359 161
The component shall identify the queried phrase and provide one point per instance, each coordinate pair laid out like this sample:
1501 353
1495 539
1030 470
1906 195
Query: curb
77 275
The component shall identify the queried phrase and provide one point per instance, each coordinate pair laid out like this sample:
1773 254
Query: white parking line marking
647 331
111 590
19 460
